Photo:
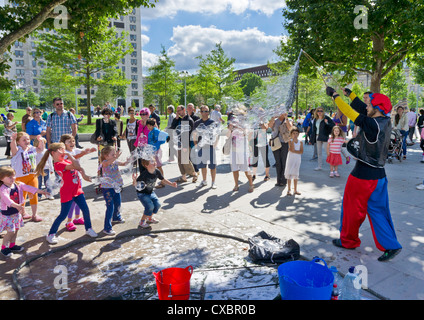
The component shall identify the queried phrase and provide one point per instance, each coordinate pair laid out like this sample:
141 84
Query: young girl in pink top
12 207
334 150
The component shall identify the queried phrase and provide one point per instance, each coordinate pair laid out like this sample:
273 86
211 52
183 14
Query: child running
294 158
70 146
24 162
12 207
111 184
145 184
70 190
334 150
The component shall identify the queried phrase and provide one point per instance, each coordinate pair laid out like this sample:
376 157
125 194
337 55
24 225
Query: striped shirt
336 145
60 124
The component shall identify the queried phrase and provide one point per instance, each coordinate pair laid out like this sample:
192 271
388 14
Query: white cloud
169 8
149 59
249 46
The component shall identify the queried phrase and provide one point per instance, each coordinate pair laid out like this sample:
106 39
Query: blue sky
249 30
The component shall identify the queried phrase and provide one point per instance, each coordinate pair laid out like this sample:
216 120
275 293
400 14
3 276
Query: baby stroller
395 147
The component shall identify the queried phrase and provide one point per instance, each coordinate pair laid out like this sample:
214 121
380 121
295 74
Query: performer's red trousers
362 198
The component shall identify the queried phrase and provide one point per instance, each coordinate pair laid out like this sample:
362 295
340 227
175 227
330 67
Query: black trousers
280 156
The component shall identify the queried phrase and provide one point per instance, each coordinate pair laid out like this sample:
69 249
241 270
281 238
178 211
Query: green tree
394 85
389 32
412 99
202 86
56 82
32 98
87 48
163 82
17 22
18 95
223 67
5 98
249 82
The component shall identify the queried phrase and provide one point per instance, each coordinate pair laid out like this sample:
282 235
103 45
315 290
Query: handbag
275 143
227 147
93 138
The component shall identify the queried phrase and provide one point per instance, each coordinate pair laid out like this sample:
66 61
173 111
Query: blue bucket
305 280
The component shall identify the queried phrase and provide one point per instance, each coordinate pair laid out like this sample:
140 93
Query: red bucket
173 283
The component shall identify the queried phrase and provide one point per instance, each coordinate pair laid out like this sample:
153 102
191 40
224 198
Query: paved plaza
114 266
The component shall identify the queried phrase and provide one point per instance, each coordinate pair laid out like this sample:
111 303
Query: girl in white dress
294 159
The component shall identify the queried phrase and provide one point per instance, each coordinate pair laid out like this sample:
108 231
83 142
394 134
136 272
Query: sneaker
143 224
202 183
152 221
420 187
51 238
109 232
17 248
90 232
389 254
331 174
78 221
118 221
70 226
336 174
50 198
318 169
313 158
6 252
214 186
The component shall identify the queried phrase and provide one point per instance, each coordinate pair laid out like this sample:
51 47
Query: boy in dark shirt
144 186
366 188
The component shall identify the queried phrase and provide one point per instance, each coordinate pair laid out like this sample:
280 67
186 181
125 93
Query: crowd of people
48 147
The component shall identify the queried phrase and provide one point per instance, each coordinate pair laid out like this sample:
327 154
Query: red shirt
71 183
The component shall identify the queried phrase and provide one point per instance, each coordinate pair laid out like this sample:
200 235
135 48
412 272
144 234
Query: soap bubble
141 185
54 184
208 134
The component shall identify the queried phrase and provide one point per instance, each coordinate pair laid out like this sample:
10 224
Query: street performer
366 188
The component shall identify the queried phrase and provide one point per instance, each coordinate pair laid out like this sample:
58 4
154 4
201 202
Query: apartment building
25 69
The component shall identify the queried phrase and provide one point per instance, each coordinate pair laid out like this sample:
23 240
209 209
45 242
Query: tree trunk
377 49
376 82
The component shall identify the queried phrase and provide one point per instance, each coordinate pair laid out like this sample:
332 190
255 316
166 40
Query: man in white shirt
216 114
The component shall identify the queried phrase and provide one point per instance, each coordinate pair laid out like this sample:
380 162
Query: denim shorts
150 202
203 157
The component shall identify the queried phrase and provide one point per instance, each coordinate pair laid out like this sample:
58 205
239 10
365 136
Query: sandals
289 193
251 188
297 193
159 185
180 180
236 189
267 178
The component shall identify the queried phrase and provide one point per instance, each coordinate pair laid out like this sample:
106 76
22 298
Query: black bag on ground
266 248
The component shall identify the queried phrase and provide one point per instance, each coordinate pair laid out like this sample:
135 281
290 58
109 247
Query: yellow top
347 110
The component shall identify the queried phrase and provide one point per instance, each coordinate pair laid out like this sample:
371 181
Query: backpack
269 249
